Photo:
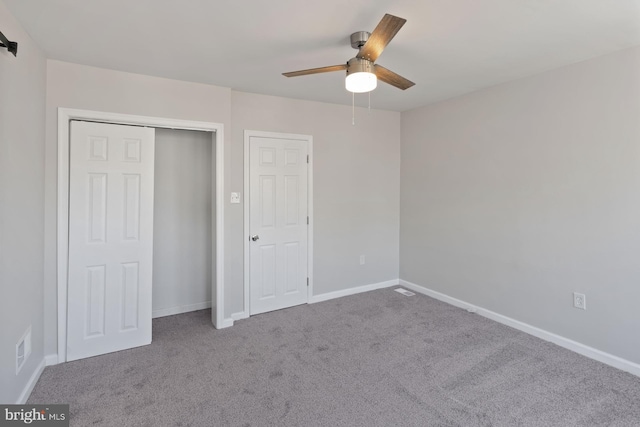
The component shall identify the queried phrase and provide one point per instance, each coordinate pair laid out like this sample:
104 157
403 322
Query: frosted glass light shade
361 82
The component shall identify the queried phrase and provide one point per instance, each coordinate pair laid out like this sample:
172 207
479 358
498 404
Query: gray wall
356 170
182 223
355 185
512 197
516 196
22 99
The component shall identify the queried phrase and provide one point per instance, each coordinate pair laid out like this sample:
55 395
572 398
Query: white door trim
247 137
64 117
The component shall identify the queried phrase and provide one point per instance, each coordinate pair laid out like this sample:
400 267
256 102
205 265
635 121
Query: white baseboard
180 309
28 388
51 359
590 352
352 291
324 297
239 316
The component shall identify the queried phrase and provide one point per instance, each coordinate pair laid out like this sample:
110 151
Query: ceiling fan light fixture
362 73
361 82
360 76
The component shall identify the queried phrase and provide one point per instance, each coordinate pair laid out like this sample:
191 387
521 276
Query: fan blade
385 31
341 67
392 78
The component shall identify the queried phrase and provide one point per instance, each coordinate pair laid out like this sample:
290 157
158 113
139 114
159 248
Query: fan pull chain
369 102
353 108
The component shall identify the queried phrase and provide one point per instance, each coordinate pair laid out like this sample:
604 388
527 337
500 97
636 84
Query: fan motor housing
359 65
359 38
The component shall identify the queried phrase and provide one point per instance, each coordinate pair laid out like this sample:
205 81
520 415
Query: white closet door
278 223
110 238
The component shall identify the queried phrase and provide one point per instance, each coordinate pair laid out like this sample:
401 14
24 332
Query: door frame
298 137
65 115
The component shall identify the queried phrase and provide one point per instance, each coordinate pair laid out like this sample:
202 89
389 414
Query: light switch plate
235 197
579 301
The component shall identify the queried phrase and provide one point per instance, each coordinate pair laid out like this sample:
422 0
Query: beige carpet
373 359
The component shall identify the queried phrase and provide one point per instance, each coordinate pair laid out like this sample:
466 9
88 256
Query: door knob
255 237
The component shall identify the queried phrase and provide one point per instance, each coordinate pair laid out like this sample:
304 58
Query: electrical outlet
579 301
362 260
235 197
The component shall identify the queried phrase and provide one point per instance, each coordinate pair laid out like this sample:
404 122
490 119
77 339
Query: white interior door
277 223
110 238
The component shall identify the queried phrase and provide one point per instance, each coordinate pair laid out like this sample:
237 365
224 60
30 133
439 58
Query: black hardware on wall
11 46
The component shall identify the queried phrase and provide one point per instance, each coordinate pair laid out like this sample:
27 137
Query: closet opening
182 227
184 218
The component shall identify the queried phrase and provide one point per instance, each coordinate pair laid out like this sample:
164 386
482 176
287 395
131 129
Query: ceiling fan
362 72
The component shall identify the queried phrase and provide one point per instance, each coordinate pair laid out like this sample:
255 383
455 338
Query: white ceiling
447 47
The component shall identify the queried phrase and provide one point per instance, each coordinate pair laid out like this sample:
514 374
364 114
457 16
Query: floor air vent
404 292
